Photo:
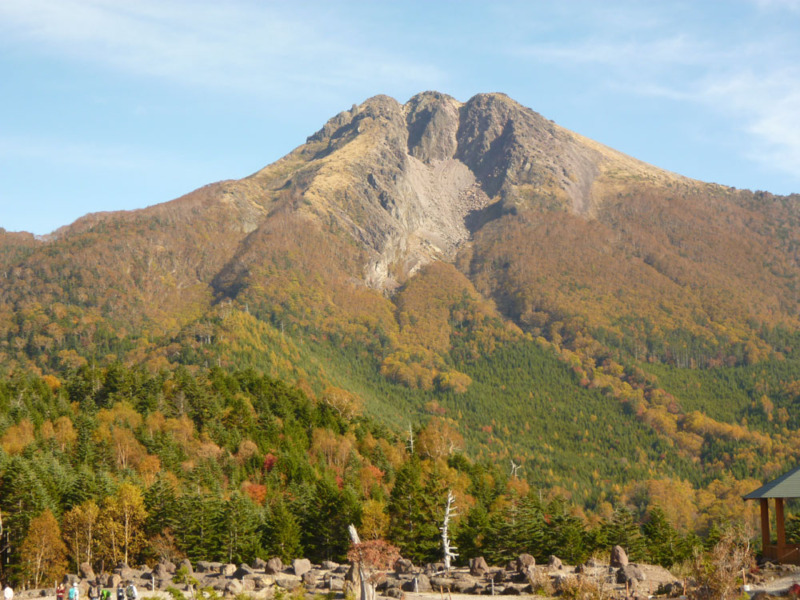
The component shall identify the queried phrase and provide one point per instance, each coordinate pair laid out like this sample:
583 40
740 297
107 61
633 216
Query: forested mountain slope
626 334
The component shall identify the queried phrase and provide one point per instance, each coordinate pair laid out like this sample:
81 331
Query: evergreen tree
412 524
281 531
623 531
240 522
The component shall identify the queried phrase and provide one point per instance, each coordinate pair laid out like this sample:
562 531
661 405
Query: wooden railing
790 553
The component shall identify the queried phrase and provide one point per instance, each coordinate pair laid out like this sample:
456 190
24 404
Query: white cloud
749 75
250 47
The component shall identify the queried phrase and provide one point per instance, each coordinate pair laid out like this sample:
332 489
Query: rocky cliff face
410 182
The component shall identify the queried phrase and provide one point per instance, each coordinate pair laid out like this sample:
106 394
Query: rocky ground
521 577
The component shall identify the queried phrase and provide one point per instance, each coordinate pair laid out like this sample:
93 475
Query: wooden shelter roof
785 486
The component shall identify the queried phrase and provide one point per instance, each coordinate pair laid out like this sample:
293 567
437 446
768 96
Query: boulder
301 566
287 581
262 582
258 564
163 571
336 584
111 581
432 569
329 565
512 590
442 584
554 563
309 579
186 565
248 585
86 571
203 566
403 565
464 585
234 587
618 557
394 593
630 574
478 567
274 565
524 561
243 571
418 584
227 570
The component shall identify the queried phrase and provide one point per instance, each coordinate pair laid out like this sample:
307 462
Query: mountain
553 299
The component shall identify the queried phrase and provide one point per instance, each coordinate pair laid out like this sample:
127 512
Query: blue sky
112 104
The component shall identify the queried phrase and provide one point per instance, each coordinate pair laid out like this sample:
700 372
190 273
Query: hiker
105 594
120 591
74 593
8 593
94 592
61 591
131 592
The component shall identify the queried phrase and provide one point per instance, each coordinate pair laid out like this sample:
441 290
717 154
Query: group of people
96 592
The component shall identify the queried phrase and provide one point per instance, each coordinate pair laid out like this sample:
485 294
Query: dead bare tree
449 512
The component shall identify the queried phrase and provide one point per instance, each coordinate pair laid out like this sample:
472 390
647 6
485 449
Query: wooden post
780 524
765 526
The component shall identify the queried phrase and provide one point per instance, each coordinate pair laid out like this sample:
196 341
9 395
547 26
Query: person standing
61 591
120 591
8 593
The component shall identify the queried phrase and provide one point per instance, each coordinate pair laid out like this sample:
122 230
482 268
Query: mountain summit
438 256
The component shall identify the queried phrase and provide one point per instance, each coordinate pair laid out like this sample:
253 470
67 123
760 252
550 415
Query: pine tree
412 523
623 531
281 531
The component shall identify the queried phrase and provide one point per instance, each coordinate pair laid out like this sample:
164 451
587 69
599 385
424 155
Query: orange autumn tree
43 555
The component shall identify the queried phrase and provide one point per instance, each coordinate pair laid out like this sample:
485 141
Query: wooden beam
764 525
780 524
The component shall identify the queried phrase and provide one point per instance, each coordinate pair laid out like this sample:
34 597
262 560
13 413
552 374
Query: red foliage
269 462
256 492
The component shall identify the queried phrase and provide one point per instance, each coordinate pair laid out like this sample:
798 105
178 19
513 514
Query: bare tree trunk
366 586
449 512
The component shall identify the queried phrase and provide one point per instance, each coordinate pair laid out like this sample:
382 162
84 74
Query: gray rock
309 579
419 583
234 587
287 581
258 564
186 565
512 590
329 565
442 584
464 585
248 585
403 565
203 566
554 563
243 571
301 566
478 567
619 557
86 571
630 574
274 565
111 581
524 561
336 584
227 570
394 593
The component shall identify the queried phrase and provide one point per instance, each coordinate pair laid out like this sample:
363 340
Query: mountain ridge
404 247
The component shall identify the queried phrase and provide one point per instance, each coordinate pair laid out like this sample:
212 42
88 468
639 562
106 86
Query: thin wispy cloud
251 47
753 82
